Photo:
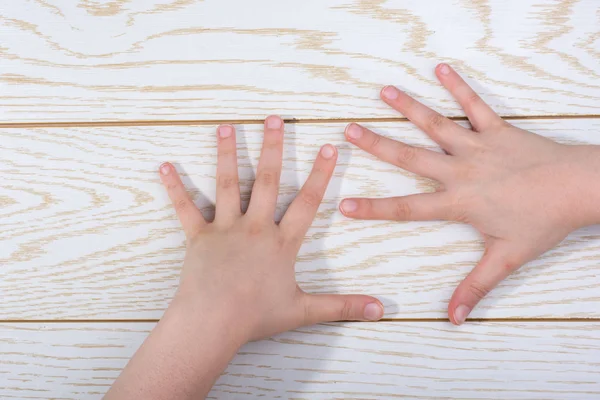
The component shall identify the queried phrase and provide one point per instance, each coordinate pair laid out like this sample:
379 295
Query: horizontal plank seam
98 124
412 320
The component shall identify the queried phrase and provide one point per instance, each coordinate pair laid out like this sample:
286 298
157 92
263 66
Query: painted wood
426 360
214 59
87 231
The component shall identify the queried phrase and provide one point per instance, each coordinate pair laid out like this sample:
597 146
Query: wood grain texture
87 231
341 361
213 59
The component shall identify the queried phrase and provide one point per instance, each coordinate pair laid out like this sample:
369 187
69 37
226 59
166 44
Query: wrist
583 186
201 311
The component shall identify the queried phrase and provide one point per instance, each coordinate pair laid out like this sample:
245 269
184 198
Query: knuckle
409 103
194 243
478 290
475 144
406 154
310 198
197 240
458 214
346 312
472 99
435 120
273 144
375 142
467 172
459 209
226 181
225 152
402 210
267 178
256 229
172 186
181 205
510 265
281 243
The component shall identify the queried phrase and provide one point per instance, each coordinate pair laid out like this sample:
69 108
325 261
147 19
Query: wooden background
94 95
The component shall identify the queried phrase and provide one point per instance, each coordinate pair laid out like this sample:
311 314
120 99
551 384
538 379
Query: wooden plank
87 231
214 59
350 361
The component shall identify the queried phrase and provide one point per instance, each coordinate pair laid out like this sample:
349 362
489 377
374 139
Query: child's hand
243 264
238 281
522 192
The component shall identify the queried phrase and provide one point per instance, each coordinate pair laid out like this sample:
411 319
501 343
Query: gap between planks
125 123
411 320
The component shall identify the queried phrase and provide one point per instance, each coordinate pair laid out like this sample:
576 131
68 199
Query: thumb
338 307
494 266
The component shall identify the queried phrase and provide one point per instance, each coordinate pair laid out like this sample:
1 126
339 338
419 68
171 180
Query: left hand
524 193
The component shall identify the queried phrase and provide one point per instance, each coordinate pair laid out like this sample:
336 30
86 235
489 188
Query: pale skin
238 282
522 192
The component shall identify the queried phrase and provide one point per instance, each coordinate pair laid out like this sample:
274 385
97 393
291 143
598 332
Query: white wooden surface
64 60
344 361
88 232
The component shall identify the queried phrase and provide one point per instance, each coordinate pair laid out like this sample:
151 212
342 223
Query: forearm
182 357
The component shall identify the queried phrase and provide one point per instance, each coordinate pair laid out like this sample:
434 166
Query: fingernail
225 131
165 169
460 313
444 69
373 312
273 122
390 93
354 131
327 151
349 206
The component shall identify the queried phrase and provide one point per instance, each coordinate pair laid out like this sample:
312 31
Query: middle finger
266 186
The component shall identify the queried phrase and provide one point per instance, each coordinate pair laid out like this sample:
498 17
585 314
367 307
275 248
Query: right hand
240 267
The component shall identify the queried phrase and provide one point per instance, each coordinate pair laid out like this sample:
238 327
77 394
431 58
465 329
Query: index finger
303 209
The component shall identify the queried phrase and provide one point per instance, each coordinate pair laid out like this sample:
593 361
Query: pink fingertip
390 93
225 131
274 122
349 206
327 151
461 313
444 69
165 168
354 131
373 312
